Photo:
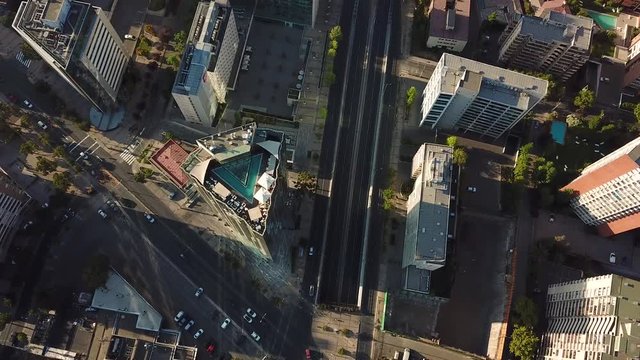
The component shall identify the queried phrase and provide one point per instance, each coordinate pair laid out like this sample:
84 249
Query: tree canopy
452 141
411 95
585 99
306 182
179 38
61 181
460 156
525 312
523 342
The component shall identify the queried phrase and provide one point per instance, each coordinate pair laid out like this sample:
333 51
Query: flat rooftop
438 23
553 26
169 159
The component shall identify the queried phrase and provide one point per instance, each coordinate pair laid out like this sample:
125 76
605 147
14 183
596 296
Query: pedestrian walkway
23 60
127 156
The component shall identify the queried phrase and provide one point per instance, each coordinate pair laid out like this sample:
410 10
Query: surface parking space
482 174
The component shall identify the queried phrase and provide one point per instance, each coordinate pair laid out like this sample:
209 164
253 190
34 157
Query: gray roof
522 89
554 26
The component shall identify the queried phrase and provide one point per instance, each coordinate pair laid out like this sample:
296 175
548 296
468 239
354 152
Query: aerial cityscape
320 179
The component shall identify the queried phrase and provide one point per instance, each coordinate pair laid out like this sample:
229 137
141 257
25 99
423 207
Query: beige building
592 319
13 201
553 43
449 24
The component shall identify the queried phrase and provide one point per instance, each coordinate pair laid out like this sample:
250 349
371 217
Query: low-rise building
238 173
429 215
13 200
449 24
206 65
552 42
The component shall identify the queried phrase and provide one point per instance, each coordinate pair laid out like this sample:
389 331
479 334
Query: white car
198 333
27 104
129 37
189 324
225 323
149 218
472 189
612 258
247 318
311 251
251 312
199 292
255 336
42 125
102 213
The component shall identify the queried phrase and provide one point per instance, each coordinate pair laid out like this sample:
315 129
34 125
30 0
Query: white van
407 354
396 355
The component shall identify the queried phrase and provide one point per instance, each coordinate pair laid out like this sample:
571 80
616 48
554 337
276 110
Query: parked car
612 258
149 218
255 336
42 125
178 316
311 251
129 37
197 334
472 189
189 324
182 321
211 347
27 103
102 213
199 292
312 290
251 312
247 318
225 323
307 354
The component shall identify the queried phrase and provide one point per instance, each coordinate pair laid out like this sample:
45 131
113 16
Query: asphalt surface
350 190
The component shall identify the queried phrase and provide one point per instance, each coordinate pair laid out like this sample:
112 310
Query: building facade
289 12
13 200
607 193
77 40
207 63
592 319
553 43
468 96
449 24
429 219
238 174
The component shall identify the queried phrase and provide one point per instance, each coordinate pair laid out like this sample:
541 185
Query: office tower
290 12
77 40
464 95
238 173
449 24
207 62
12 201
595 318
608 191
429 219
553 43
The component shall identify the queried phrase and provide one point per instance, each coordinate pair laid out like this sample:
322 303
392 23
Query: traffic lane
16 82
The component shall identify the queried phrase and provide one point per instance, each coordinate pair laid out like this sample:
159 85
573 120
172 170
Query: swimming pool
241 175
605 21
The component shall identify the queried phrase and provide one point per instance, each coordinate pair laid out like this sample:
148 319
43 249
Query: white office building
468 96
77 40
207 63
13 201
592 319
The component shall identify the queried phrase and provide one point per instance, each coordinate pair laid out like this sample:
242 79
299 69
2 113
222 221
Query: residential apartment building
207 62
238 173
592 319
553 43
608 191
430 216
632 67
13 201
289 12
449 24
471 97
77 40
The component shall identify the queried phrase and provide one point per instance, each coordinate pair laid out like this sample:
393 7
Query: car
605 79
311 251
149 218
172 195
84 156
247 318
312 289
255 336
42 125
198 333
182 321
178 316
102 213
27 103
211 347
307 354
199 292
189 324
129 37
252 313
612 258
225 323
471 189
112 205
552 218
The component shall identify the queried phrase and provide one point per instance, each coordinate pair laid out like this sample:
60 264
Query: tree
61 181
332 52
452 141
330 77
45 166
333 44
585 99
179 39
27 148
460 156
4 319
139 177
28 52
168 135
521 169
523 342
411 96
21 338
96 272
322 112
607 128
574 120
551 116
306 182
593 122
148 28
173 60
525 312
44 138
335 33
544 171
387 198
59 152
144 47
636 112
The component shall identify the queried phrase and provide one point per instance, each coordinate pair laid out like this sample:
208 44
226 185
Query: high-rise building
12 201
290 12
429 219
469 96
553 43
592 319
449 24
77 40
238 173
207 62
608 191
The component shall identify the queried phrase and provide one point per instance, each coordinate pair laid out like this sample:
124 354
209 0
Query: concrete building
238 173
207 62
553 43
608 191
77 40
429 219
289 12
13 201
592 319
464 95
449 24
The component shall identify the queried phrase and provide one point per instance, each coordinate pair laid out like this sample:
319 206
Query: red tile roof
169 160
619 226
612 170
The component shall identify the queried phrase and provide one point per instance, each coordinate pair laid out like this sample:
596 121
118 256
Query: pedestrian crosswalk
23 60
127 156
